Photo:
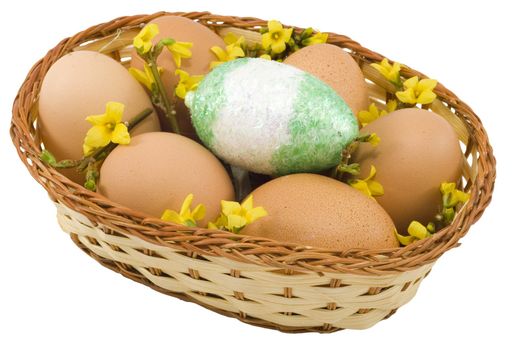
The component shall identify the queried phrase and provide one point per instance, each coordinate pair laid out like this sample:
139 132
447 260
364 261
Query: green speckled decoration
209 100
317 114
271 118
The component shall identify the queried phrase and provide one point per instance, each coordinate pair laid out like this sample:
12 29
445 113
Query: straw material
267 283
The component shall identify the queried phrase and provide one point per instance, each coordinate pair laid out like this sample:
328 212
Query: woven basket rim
200 241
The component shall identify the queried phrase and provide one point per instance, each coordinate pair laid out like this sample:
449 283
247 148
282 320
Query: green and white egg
271 118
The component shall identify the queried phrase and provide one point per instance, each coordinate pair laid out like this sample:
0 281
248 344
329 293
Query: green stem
167 106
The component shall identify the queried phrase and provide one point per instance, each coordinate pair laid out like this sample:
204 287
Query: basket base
138 277
258 295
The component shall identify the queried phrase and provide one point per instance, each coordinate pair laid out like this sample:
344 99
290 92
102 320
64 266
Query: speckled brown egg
418 151
78 85
318 211
157 170
336 68
186 30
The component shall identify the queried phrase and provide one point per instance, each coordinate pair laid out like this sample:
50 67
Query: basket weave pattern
260 281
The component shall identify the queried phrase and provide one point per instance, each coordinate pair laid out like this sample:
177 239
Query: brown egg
318 211
336 68
183 29
78 85
418 151
157 170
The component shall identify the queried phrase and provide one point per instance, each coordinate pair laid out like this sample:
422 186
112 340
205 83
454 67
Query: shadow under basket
259 281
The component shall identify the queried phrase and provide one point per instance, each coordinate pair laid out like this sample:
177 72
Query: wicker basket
259 281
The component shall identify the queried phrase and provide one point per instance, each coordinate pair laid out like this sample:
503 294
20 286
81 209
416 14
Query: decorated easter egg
157 170
319 211
271 118
79 85
336 68
418 151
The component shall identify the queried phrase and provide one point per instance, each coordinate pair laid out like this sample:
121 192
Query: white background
54 296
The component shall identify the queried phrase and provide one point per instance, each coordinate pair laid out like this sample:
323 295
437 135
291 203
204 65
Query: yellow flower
180 50
373 113
391 105
185 216
186 83
266 57
232 52
144 77
234 216
368 186
373 139
451 195
389 71
417 91
276 37
231 38
317 38
106 128
142 42
416 231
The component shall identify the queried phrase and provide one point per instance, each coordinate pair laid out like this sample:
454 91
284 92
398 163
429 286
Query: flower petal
230 207
287 34
114 111
405 240
87 150
177 59
426 84
181 91
120 134
215 64
99 119
199 212
362 186
274 26
372 173
182 74
416 229
97 136
230 38
376 189
220 53
255 213
462 196
185 207
235 52
172 216
279 46
140 76
426 97
247 204
447 187
235 222
411 83
380 68
266 41
407 96
391 105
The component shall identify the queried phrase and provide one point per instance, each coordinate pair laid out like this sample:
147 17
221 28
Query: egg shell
336 68
203 39
78 85
318 211
418 151
157 170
